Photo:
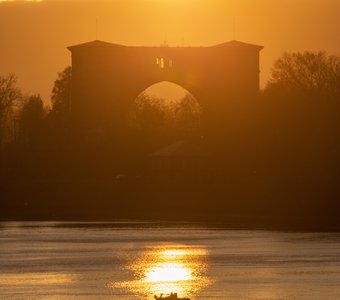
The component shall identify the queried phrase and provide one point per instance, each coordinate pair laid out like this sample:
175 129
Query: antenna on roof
96 28
234 29
165 44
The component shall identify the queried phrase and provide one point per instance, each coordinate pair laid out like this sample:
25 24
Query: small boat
172 296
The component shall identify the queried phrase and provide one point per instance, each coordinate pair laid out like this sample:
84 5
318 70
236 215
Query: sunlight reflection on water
168 268
87 261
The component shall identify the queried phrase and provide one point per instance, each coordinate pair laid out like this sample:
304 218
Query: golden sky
34 34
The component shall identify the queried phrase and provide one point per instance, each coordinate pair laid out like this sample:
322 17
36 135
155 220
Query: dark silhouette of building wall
108 77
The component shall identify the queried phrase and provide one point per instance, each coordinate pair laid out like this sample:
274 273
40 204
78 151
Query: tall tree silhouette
61 93
187 110
31 120
150 112
311 74
59 117
9 98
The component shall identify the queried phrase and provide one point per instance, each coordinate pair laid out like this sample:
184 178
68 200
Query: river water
126 260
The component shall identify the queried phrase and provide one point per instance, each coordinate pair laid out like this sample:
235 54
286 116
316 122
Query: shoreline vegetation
268 161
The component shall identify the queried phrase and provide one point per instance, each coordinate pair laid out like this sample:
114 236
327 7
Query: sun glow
168 272
173 252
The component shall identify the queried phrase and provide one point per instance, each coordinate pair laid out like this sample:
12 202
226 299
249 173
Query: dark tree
10 95
150 113
187 110
312 74
31 120
300 127
61 93
153 112
59 118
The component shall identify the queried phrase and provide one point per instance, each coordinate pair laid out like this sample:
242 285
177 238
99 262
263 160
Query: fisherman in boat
172 296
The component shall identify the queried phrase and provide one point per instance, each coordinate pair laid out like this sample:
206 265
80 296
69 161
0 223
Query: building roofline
230 44
235 43
95 43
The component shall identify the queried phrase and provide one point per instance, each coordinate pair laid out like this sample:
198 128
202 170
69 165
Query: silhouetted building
108 77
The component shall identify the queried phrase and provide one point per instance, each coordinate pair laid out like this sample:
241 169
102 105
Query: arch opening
164 113
165 104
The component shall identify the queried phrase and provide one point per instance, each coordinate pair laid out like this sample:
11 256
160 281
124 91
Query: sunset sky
34 34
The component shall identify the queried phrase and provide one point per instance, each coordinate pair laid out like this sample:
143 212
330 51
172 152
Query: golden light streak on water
168 269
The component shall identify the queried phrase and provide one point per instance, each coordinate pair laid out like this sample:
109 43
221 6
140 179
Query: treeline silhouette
272 160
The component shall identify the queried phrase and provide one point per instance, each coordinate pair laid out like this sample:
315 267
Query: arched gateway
107 77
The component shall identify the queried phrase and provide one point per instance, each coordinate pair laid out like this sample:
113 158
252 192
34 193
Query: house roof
95 43
238 44
180 149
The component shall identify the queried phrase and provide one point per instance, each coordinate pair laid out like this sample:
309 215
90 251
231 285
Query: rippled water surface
123 260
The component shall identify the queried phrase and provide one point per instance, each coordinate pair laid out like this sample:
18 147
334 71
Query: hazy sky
34 34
